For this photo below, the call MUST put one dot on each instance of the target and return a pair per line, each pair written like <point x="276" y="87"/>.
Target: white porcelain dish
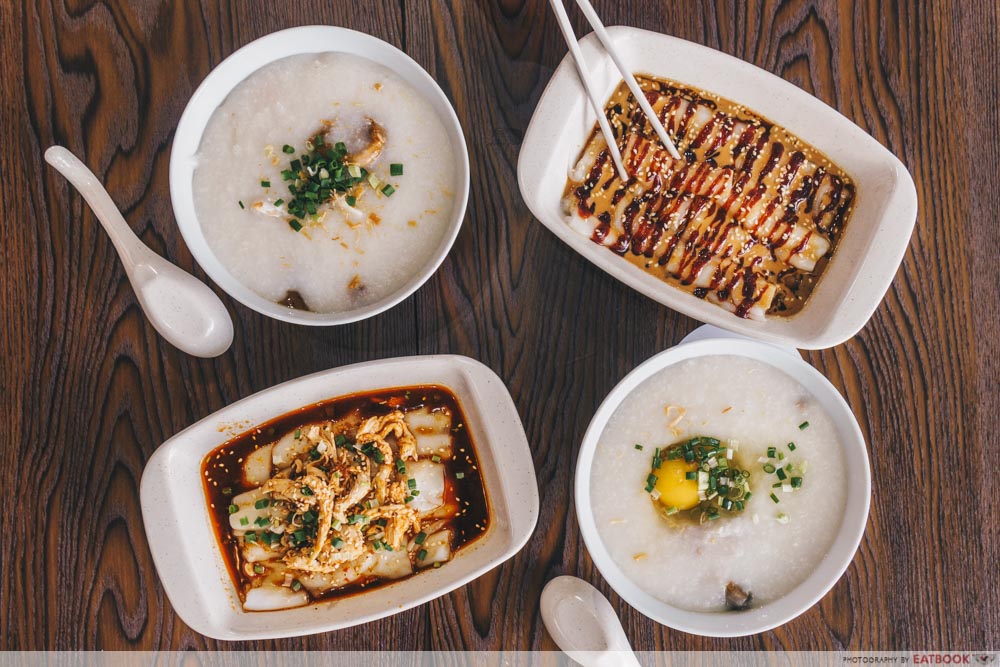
<point x="708" y="341"/>
<point x="247" y="60"/>
<point x="187" y="554"/>
<point x="874" y="240"/>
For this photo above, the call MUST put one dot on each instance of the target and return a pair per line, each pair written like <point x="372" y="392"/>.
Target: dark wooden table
<point x="89" y="390"/>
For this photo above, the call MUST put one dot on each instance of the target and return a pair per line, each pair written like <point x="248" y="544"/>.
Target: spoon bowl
<point x="182" y="309"/>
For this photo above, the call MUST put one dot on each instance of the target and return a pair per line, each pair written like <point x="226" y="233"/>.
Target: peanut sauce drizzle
<point x="679" y="219"/>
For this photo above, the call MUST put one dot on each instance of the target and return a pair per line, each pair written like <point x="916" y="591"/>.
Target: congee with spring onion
<point x="324" y="182"/>
<point x="718" y="483"/>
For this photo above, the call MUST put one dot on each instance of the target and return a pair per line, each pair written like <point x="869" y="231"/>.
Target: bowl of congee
<point x="319" y="175"/>
<point x="723" y="486"/>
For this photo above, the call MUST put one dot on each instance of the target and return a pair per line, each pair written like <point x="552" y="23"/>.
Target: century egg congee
<point x="344" y="495"/>
<point x="718" y="483"/>
<point x="324" y="182"/>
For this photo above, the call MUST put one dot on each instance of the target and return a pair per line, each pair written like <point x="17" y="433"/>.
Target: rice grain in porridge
<point x="334" y="263"/>
<point x="765" y="553"/>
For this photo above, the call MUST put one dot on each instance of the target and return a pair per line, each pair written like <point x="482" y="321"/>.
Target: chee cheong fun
<point x="748" y="218"/>
<point x="345" y="495"/>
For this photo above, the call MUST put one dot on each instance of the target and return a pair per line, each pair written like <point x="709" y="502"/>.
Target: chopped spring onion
<point x="782" y="517"/>
<point x="638" y="446"/>
<point x="227" y="491"/>
<point x="774" y="497"/>
<point x="459" y="475"/>
<point x="436" y="459"/>
<point x="351" y="200"/>
<point x="781" y="473"/>
<point x="768" y="468"/>
<point x="337" y="543"/>
<point x="388" y="190"/>
<point x="241" y="204"/>
<point x="796" y="482"/>
<point x="422" y="554"/>
<point x="244" y="521"/>
<point x="421" y="536"/>
<point x="296" y="585"/>
<point x="233" y="509"/>
<point x="295" y="225"/>
<point x="771" y="451"/>
<point x="258" y="569"/>
<point x="287" y="149"/>
<point x="412" y="483"/>
<point x="262" y="503"/>
<point x="250" y="537"/>
<point x="791" y="446"/>
<point x="265" y="184"/>
<point x="298" y="432"/>
<point x="395" y="169"/>
<point x="306" y="491"/>
<point x="803" y="426"/>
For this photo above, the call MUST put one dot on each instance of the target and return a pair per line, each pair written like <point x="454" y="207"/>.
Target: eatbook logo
<point x="954" y="658"/>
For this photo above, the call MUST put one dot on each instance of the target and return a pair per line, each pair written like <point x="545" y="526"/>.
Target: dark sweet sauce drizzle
<point x="654" y="222"/>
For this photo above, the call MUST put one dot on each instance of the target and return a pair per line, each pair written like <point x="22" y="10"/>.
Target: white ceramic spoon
<point x="181" y="308"/>
<point x="584" y="624"/>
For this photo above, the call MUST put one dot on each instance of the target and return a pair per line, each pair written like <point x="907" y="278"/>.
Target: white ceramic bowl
<point x="184" y="545"/>
<point x="874" y="240"/>
<point x="708" y="341"/>
<point x="244" y="62"/>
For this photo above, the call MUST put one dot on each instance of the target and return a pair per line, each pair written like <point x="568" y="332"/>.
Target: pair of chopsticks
<point x="574" y="48"/>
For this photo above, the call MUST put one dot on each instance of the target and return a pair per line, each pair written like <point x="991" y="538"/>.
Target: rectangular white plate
<point x="186" y="551"/>
<point x="874" y="239"/>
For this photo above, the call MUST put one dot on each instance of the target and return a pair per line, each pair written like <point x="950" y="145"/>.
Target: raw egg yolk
<point x="676" y="490"/>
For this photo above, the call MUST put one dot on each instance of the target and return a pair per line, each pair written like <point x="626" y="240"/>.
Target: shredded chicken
<point x="337" y="501"/>
<point x="371" y="152"/>
<point x="400" y="520"/>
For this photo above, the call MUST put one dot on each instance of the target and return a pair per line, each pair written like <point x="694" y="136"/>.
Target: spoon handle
<point x="128" y="245"/>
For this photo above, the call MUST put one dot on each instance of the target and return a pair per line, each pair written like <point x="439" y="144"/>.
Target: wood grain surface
<point x="89" y="390"/>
